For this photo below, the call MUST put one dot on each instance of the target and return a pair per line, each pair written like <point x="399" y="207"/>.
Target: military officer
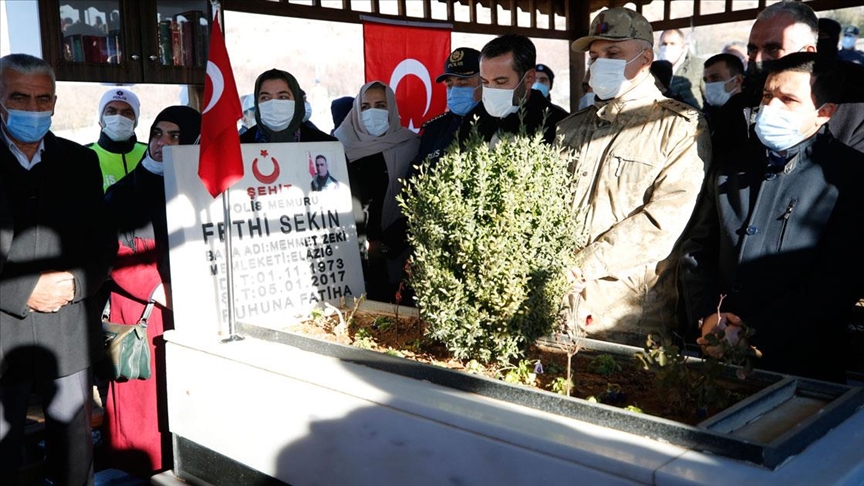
<point x="639" y="159"/>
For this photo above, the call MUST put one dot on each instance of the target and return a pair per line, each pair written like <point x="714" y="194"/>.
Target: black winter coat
<point x="783" y="245"/>
<point x="57" y="224"/>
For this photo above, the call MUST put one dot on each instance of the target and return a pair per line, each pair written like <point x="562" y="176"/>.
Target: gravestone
<point x="293" y="241"/>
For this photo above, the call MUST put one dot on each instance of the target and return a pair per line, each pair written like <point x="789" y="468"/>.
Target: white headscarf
<point x="399" y="146"/>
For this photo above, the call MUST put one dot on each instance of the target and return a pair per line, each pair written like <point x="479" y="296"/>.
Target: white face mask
<point x="308" y="113"/>
<point x="499" y="102"/>
<point x="669" y="53"/>
<point x="716" y="94"/>
<point x="586" y="100"/>
<point x="277" y="114"/>
<point x="607" y="77"/>
<point x="118" y="127"/>
<point x="376" y="121"/>
<point x="779" y="129"/>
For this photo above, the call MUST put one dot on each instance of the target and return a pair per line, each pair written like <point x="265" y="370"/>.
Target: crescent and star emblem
<point x="404" y="68"/>
<point x="269" y="178"/>
<point x="218" y="83"/>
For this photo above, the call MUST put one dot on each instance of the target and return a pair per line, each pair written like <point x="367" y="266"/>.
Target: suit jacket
<point x="685" y="82"/>
<point x="781" y="243"/>
<point x="58" y="224"/>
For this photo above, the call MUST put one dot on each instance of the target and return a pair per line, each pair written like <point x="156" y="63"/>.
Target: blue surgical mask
<point x="460" y="99"/>
<point x="848" y="42"/>
<point x="586" y="100"/>
<point x="541" y="88"/>
<point x="778" y="129"/>
<point x="27" y="126"/>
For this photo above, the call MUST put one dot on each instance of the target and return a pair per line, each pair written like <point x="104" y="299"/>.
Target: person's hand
<point x="576" y="279"/>
<point x="52" y="291"/>
<point x="727" y="322"/>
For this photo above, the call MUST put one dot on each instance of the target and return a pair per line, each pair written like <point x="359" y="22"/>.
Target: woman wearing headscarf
<point x="279" y="112"/>
<point x="136" y="414"/>
<point x="379" y="152"/>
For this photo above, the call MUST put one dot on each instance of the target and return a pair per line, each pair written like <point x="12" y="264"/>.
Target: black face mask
<point x="754" y="82"/>
<point x="759" y="69"/>
<point x="827" y="47"/>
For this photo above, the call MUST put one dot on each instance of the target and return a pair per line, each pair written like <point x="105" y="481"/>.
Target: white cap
<point x="248" y="102"/>
<point x="120" y="94"/>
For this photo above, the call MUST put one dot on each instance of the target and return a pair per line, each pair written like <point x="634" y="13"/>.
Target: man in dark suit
<point x="58" y="255"/>
<point x="508" y="103"/>
<point x="776" y="232"/>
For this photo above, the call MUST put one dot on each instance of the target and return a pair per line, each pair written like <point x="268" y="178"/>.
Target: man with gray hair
<point x="58" y="256"/>
<point x="639" y="160"/>
<point x="790" y="26"/>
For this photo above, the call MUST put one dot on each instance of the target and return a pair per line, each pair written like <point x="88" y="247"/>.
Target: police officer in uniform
<point x="118" y="149"/>
<point x="462" y="77"/>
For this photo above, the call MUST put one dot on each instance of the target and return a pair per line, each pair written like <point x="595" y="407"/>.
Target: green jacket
<point x="116" y="159"/>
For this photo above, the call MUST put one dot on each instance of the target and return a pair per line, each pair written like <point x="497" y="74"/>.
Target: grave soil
<point x="630" y="385"/>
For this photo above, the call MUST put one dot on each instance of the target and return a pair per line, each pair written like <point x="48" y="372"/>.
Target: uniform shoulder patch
<point x="682" y="109"/>
<point x="432" y="120"/>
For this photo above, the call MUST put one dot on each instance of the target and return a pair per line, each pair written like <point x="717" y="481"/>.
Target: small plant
<point x="671" y="371"/>
<point x="561" y="386"/>
<point x="569" y="338"/>
<point x="605" y="365"/>
<point x="475" y="367"/>
<point x="492" y="232"/>
<point x="734" y="349"/>
<point x="382" y="323"/>
<point x="362" y="339"/>
<point x="688" y="388"/>
<point x="523" y="373"/>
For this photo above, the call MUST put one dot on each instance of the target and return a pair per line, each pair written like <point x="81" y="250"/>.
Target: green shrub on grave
<point x="492" y="231"/>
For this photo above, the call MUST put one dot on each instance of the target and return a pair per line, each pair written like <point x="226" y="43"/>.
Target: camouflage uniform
<point x="640" y="160"/>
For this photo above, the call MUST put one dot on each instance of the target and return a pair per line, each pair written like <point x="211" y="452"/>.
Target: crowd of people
<point x="733" y="179"/>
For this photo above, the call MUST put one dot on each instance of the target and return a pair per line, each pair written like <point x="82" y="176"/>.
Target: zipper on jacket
<point x="785" y="217"/>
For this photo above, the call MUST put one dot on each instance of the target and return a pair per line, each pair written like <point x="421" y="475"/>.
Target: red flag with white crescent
<point x="221" y="162"/>
<point x="313" y="171"/>
<point x="408" y="59"/>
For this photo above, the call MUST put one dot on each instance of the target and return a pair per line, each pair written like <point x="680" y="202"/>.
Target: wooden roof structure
<point x="552" y="19"/>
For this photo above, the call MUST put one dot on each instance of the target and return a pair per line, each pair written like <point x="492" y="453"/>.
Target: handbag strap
<point x="145" y="316"/>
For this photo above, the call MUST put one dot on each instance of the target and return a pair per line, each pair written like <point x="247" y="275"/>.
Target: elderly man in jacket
<point x="777" y="230"/>
<point x="57" y="256"/>
<point x="639" y="160"/>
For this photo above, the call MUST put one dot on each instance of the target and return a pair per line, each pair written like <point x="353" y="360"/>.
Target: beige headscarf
<point x="399" y="146"/>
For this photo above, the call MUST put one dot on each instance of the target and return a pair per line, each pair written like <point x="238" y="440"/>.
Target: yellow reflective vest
<point x="114" y="166"/>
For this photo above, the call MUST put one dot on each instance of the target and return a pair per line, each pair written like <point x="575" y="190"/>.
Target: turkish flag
<point x="221" y="163"/>
<point x="408" y="59"/>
